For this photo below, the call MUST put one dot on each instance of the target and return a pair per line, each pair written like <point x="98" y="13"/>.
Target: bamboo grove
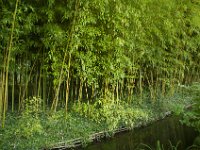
<point x="82" y="50"/>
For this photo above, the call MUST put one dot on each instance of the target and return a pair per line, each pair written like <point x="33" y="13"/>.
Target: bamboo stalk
<point x="26" y="85"/>
<point x="7" y="64"/>
<point x="20" y="91"/>
<point x="80" y="90"/>
<point x="55" y="100"/>
<point x="93" y="91"/>
<point x="150" y="87"/>
<point x="140" y="84"/>
<point x="117" y="90"/>
<point x="76" y="90"/>
<point x="13" y="91"/>
<point x="67" y="84"/>
<point x="86" y="90"/>
<point x="44" y="91"/>
<point x="1" y="94"/>
<point x="39" y="85"/>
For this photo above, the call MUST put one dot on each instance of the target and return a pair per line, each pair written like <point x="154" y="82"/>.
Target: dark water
<point x="165" y="130"/>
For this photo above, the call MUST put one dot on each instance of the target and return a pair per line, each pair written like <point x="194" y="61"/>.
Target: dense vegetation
<point x="192" y="117"/>
<point x="94" y="56"/>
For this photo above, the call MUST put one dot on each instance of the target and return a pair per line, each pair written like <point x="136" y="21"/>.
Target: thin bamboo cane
<point x="67" y="84"/>
<point x="7" y="63"/>
<point x="13" y="91"/>
<point x="55" y="100"/>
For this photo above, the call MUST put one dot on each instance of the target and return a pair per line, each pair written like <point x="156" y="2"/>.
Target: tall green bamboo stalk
<point x="9" y="48"/>
<point x="67" y="84"/>
<point x="69" y="44"/>
<point x="13" y="91"/>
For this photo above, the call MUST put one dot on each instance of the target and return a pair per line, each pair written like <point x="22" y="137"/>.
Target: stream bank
<point x="168" y="131"/>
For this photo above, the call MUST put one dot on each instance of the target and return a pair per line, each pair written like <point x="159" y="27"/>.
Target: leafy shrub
<point x="28" y="126"/>
<point x="113" y="113"/>
<point x="32" y="105"/>
<point x="28" y="122"/>
<point x="192" y="117"/>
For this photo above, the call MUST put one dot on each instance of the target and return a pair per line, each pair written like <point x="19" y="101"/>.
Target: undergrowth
<point x="34" y="129"/>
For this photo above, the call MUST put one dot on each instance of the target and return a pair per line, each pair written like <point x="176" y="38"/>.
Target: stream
<point x="168" y="130"/>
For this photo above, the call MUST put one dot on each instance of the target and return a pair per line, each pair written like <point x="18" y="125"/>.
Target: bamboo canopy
<point x="81" y="50"/>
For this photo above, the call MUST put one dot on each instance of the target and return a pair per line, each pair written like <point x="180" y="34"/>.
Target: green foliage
<point x="120" y="47"/>
<point x="197" y="141"/>
<point x="95" y="50"/>
<point x="113" y="114"/>
<point x="28" y="122"/>
<point x="159" y="146"/>
<point x="28" y="126"/>
<point x="33" y="129"/>
<point x="32" y="106"/>
<point x="29" y="132"/>
<point x="24" y="127"/>
<point x="192" y="116"/>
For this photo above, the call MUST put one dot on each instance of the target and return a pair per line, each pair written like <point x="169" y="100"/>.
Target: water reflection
<point x="165" y="130"/>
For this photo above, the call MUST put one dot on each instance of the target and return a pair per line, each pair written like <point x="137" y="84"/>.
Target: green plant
<point x="159" y="146"/>
<point x="114" y="114"/>
<point x="29" y="122"/>
<point x="122" y="48"/>
<point x="192" y="116"/>
<point x="99" y="53"/>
